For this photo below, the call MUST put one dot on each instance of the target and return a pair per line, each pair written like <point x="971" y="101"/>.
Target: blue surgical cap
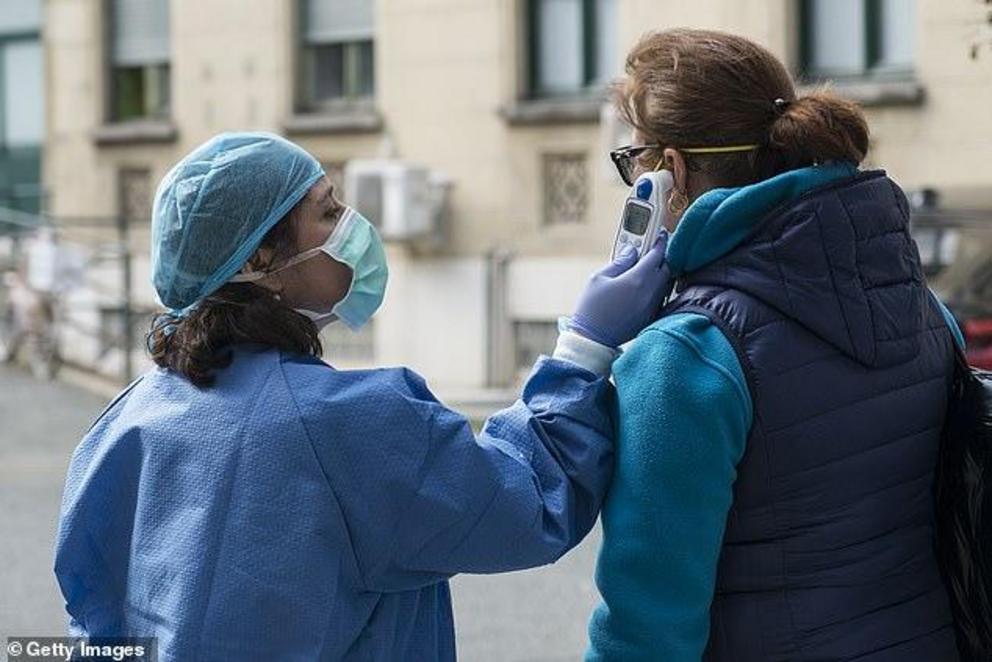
<point x="213" y="209"/>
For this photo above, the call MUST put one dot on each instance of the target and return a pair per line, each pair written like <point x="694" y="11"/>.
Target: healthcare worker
<point x="246" y="501"/>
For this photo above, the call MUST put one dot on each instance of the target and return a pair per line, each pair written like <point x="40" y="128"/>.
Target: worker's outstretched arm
<point x="424" y="497"/>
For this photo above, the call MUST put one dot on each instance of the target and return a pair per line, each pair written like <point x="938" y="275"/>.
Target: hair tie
<point x="781" y="105"/>
<point x="164" y="323"/>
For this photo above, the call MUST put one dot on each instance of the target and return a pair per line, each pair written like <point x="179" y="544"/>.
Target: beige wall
<point x="445" y="68"/>
<point x="441" y="82"/>
<point x="947" y="141"/>
<point x="944" y="142"/>
<point x="445" y="71"/>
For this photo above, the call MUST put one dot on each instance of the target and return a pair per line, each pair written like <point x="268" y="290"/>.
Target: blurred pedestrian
<point x="30" y="330"/>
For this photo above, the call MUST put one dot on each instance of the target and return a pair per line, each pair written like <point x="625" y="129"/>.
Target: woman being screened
<point x="779" y="424"/>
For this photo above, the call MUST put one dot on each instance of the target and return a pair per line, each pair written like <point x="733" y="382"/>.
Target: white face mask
<point x="355" y="243"/>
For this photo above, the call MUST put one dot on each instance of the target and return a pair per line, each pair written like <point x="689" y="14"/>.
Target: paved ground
<point x="533" y="615"/>
<point x="40" y="424"/>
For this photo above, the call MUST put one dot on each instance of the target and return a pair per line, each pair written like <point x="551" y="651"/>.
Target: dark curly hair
<point x="197" y="345"/>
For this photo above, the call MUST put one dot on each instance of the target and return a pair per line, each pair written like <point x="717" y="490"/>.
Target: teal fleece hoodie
<point x="684" y="414"/>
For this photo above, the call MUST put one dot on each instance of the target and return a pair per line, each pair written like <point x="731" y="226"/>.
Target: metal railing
<point x="96" y="254"/>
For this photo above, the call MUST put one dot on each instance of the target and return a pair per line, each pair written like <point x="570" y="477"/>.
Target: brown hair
<point x="698" y="88"/>
<point x="201" y="342"/>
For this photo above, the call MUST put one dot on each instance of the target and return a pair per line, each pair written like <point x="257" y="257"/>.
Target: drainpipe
<point x="499" y="341"/>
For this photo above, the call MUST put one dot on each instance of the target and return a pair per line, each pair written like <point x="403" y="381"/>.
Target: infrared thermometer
<point x="644" y="212"/>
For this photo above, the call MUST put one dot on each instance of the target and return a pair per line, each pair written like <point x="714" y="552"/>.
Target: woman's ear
<point x="675" y="162"/>
<point x="262" y="260"/>
<point x="678" y="200"/>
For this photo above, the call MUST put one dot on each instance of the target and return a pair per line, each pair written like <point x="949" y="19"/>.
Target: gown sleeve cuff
<point x="589" y="354"/>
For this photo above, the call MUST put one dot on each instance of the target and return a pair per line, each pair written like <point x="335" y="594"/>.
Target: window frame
<point x="872" y="68"/>
<point x="304" y="97"/>
<point x="163" y="70"/>
<point x="111" y="112"/>
<point x="591" y="80"/>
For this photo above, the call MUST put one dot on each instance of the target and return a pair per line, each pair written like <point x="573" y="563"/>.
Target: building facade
<point x="501" y="99"/>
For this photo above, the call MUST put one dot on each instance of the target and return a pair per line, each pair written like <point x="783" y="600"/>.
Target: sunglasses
<point x="625" y="159"/>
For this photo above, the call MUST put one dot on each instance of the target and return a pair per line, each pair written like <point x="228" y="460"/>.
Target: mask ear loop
<point x="335" y="238"/>
<point x="253" y="276"/>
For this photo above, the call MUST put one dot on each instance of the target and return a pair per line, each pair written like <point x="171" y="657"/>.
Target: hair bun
<point x="819" y="127"/>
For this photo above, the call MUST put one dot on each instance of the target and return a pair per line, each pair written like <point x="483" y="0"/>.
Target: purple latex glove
<point x="624" y="296"/>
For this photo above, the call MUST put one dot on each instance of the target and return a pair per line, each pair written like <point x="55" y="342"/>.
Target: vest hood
<point x="827" y="246"/>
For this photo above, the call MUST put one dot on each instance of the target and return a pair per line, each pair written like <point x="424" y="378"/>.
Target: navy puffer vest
<point x="828" y="548"/>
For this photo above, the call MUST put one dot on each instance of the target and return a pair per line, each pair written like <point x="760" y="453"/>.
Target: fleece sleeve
<point x="952" y="323"/>
<point x="684" y="413"/>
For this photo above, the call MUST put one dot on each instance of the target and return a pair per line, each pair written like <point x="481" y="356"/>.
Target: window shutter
<point x="898" y="33"/>
<point x="140" y="32"/>
<point x="559" y="45"/>
<point x="20" y="16"/>
<point x="607" y="41"/>
<point x="838" y="33"/>
<point x="332" y="21"/>
<point x="22" y="95"/>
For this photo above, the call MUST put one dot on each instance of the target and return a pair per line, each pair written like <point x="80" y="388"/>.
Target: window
<point x="336" y="53"/>
<point x="134" y="193"/>
<point x="858" y="38"/>
<point x="565" y="188"/>
<point x="19" y="16"/>
<point x="22" y="105"/>
<point x="573" y="46"/>
<point x="139" y="59"/>
<point x="532" y="339"/>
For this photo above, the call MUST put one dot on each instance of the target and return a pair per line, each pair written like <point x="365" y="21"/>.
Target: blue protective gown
<point x="297" y="512"/>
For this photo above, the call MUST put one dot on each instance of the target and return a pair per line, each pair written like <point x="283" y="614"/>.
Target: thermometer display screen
<point x="636" y="218"/>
